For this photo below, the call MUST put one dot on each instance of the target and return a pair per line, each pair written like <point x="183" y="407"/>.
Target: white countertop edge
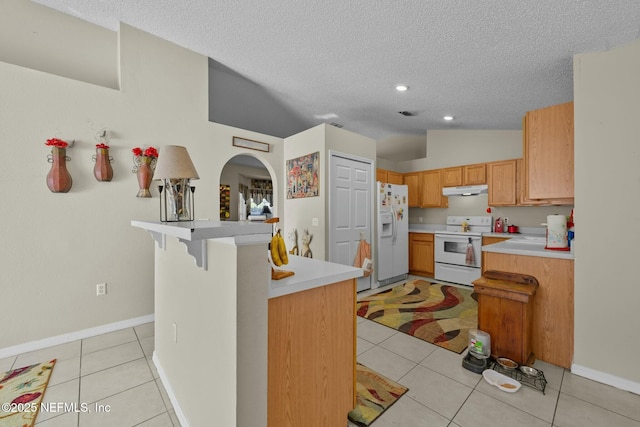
<point x="309" y="274"/>
<point x="202" y="229"/>
<point x="505" y="248"/>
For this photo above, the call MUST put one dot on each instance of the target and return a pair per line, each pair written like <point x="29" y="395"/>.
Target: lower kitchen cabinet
<point x="421" y="255"/>
<point x="552" y="307"/>
<point x="311" y="356"/>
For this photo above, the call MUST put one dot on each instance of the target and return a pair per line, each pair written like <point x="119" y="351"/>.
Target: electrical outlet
<point x="419" y="219"/>
<point x="314" y="222"/>
<point x="101" y="289"/>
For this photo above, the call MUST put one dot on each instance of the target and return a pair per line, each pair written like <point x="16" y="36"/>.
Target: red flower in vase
<point x="102" y="145"/>
<point x="146" y="152"/>
<point x="55" y="142"/>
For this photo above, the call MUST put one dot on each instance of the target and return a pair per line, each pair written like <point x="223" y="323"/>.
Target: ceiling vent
<point x="338" y="125"/>
<point x="407" y="113"/>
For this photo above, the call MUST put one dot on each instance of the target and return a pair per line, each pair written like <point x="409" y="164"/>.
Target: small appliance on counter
<point x="478" y="351"/>
<point x="498" y="227"/>
<point x="557" y="233"/>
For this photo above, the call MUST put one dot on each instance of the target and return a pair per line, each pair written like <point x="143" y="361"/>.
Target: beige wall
<point x="462" y="147"/>
<point x="607" y="186"/>
<point x="57" y="247"/>
<point x="300" y="212"/>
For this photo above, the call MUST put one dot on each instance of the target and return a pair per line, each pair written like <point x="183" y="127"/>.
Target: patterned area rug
<point x="375" y="393"/>
<point x="437" y="313"/>
<point x="21" y="392"/>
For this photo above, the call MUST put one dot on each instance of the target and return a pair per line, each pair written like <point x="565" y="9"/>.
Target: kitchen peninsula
<point x="230" y="341"/>
<point x="552" y="320"/>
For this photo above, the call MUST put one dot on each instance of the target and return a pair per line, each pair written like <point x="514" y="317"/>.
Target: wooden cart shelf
<point x="505" y="313"/>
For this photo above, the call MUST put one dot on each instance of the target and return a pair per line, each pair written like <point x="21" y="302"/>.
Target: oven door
<point x="452" y="249"/>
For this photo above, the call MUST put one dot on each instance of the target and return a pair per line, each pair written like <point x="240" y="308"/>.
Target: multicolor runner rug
<point x="21" y="392"/>
<point x="437" y="313"/>
<point x="375" y="393"/>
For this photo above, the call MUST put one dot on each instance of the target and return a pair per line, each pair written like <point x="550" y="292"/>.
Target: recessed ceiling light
<point x="448" y="118"/>
<point x="402" y="88"/>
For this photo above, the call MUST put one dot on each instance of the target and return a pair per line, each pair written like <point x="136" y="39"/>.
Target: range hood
<point x="465" y="190"/>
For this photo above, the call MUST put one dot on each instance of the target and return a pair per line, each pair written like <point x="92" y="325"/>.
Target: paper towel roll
<point x="557" y="231"/>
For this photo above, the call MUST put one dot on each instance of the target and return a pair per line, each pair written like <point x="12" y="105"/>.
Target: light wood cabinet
<point x="552" y="311"/>
<point x="389" y="177"/>
<point x="312" y="336"/>
<point x="421" y="254"/>
<point x="464" y="175"/>
<point x="502" y="183"/>
<point x="412" y="181"/>
<point x="548" y="153"/>
<point x="452" y="177"/>
<point x="431" y="190"/>
<point x="474" y="174"/>
<point x="505" y="312"/>
<point x="490" y="240"/>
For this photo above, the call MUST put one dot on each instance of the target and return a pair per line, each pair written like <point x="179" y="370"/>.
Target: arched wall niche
<point x="251" y="175"/>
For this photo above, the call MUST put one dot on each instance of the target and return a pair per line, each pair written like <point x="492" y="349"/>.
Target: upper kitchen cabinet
<point x="452" y="177"/>
<point x="412" y="181"/>
<point x="474" y="174"/>
<point x="502" y="183"/>
<point x="464" y="175"/>
<point x="548" y="154"/>
<point x="431" y="190"/>
<point x="389" y="177"/>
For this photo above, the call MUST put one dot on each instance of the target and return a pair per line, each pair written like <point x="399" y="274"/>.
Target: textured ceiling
<point x="485" y="62"/>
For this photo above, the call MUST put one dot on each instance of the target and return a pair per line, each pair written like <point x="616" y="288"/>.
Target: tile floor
<point x="116" y="369"/>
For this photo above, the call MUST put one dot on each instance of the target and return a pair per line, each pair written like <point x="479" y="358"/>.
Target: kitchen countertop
<point x="528" y="246"/>
<point x="310" y="273"/>
<point x="426" y="228"/>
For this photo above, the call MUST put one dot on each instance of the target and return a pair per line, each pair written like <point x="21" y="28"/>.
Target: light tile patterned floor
<point x="116" y="369"/>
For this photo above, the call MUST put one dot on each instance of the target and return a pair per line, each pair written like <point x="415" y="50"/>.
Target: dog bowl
<point x="506" y="363"/>
<point x="529" y="371"/>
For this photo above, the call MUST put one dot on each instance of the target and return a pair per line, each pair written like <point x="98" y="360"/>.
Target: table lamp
<point x="175" y="169"/>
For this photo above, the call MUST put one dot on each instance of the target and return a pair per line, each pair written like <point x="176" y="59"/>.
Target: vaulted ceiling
<point x="485" y="62"/>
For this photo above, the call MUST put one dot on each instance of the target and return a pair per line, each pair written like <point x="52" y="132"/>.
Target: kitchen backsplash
<point x="477" y="205"/>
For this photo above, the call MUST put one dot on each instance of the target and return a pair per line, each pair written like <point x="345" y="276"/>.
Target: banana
<point x="282" y="249"/>
<point x="275" y="251"/>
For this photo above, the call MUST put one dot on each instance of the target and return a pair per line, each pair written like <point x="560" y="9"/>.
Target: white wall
<point x="607" y="190"/>
<point x="463" y="147"/>
<point x="57" y="247"/>
<point x="300" y="212"/>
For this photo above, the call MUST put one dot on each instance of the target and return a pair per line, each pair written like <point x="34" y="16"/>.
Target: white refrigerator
<point x="393" y="233"/>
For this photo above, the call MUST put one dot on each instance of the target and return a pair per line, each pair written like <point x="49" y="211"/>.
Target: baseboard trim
<point x="172" y="397"/>
<point x="604" y="378"/>
<point x="73" y="336"/>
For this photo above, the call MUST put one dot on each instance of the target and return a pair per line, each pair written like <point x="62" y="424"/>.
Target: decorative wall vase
<point x="102" y="169"/>
<point x="144" y="171"/>
<point x="58" y="179"/>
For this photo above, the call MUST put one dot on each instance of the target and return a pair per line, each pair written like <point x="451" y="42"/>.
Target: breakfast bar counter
<point x="263" y="343"/>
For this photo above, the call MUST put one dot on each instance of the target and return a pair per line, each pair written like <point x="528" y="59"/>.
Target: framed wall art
<point x="302" y="176"/>
<point x="251" y="144"/>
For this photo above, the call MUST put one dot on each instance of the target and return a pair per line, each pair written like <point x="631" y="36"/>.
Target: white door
<point x="350" y="206"/>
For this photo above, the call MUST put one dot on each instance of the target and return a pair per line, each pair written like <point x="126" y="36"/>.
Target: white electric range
<point x="458" y="253"/>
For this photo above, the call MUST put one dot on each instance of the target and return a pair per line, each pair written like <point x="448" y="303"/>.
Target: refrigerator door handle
<point x="394" y="225"/>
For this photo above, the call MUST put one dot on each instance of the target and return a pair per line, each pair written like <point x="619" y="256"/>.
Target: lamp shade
<point x="174" y="163"/>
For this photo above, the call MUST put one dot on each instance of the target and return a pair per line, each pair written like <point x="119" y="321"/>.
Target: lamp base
<point x="177" y="200"/>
